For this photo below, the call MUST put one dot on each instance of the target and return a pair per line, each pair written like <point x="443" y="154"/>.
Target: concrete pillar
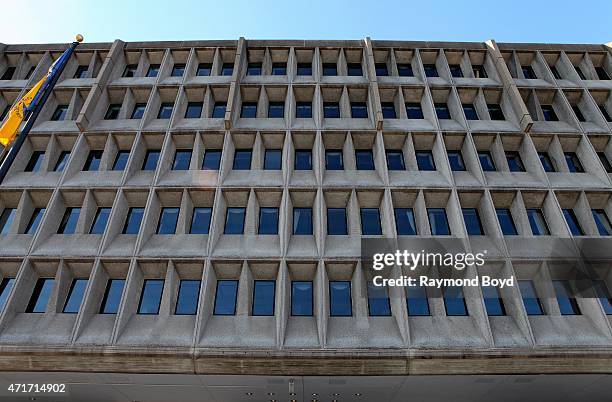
<point x="371" y="73"/>
<point x="233" y="91"/>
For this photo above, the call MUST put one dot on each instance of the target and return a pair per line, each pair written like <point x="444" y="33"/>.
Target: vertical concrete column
<point x="233" y="90"/>
<point x="525" y="120"/>
<point x="373" y="83"/>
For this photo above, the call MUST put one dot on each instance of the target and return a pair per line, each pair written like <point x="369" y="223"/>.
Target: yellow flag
<point x="9" y="129"/>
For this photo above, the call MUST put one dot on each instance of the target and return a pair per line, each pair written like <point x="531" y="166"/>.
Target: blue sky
<point x="546" y="21"/>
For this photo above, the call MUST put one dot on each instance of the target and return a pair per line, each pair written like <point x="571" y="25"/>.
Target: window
<point x="442" y="111"/>
<point x="138" y="111"/>
<point x="580" y="73"/>
<point x="405" y="70"/>
<point x="470" y="111"/>
<point x="531" y="301"/>
<point x="455" y="158"/>
<point x="81" y="72"/>
<point x="601" y="291"/>
<point x="495" y="111"/>
<point x="69" y="221"/>
<point x="572" y="222"/>
<point x="331" y="110"/>
<point x="547" y="163"/>
<point x="35" y="162"/>
<point x="479" y="71"/>
<point x="29" y="73"/>
<point x="455" y="70"/>
<point x="150" y="298"/>
<point x="153" y="70"/>
<point x="167" y="221"/>
<point x="340" y="299"/>
<point x="395" y="159"/>
<point x="178" y="70"/>
<point x="301" y="298"/>
<point x="75" y="296"/>
<point x="303" y="159"/>
<point x="302" y="221"/>
<point x="60" y="113"/>
<point x="188" y="296"/>
<point x="112" y="113"/>
<point x="133" y="220"/>
<point x="204" y="69"/>
<point x="430" y="70"/>
<point x="130" y="70"/>
<point x="601" y="73"/>
<point x="165" y="110"/>
<point x="242" y="159"/>
<point x="268" y="221"/>
<point x="330" y="69"/>
<point x="486" y="161"/>
<point x="121" y="160"/>
<point x="354" y="69"/>
<point x="573" y="163"/>
<point x="151" y="158"/>
<point x="248" y="110"/>
<point x="182" y="159"/>
<point x="605" y="162"/>
<point x="438" y="221"/>
<point x="304" y="69"/>
<point x="381" y="69"/>
<point x="227" y="69"/>
<point x="504" y="216"/>
<point x="549" y="113"/>
<point x="273" y="159"/>
<point x="454" y="301"/>
<point x="263" y="297"/>
<point x="565" y="297"/>
<point x="279" y="68"/>
<point x="538" y="224"/>
<point x="8" y="107"/>
<point x="225" y="297"/>
<point x="333" y="159"/>
<point x="378" y="301"/>
<point x="35" y="219"/>
<point x="212" y="159"/>
<point x="194" y="110"/>
<point x="234" y="220"/>
<point x="40" y="296"/>
<point x="493" y="301"/>
<point x="93" y="160"/>
<point x="276" y="110"/>
<point x="364" y="159"/>
<point x="556" y="72"/>
<point x="578" y="113"/>
<point x="5" y="290"/>
<point x="515" y="163"/>
<point x="602" y="222"/>
<point x="370" y="222"/>
<point x="414" y="110"/>
<point x="473" y="225"/>
<point x="336" y="222"/>
<point x="219" y="110"/>
<point x="404" y="221"/>
<point x="388" y="110"/>
<point x="6" y="220"/>
<point x="425" y="161"/>
<point x="416" y="301"/>
<point x="8" y="73"/>
<point x="200" y="220"/>
<point x="528" y="73"/>
<point x="303" y="110"/>
<point x="605" y="113"/>
<point x="254" y="69"/>
<point x="359" y="110"/>
<point x="99" y="223"/>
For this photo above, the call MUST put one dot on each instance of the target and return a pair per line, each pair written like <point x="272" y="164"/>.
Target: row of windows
<point x="8" y="74"/>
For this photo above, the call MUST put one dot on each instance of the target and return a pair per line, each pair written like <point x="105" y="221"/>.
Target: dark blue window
<point x="565" y="298"/>
<point x="60" y="113"/>
<point x="188" y="296"/>
<point x="354" y="69"/>
<point x="5" y="290"/>
<point x="194" y="110"/>
<point x="438" y="222"/>
<point x="303" y="110"/>
<point x="470" y="111"/>
<point x="130" y="70"/>
<point x="75" y="296"/>
<point x="121" y="160"/>
<point x="204" y="69"/>
<point x="370" y="222"/>
<point x="333" y="159"/>
<point x="381" y="69"/>
<point x="133" y="220"/>
<point x="388" y="110"/>
<point x="153" y="70"/>
<point x="425" y="160"/>
<point x="573" y="163"/>
<point x="227" y="69"/>
<point x="248" y="110"/>
<point x="301" y="298"/>
<point x="605" y="162"/>
<point x="234" y="220"/>
<point x="364" y="159"/>
<point x="330" y="69"/>
<point x="200" y="221"/>
<point x="6" y="220"/>
<point x="219" y="110"/>
<point x="416" y="300"/>
<point x="268" y="221"/>
<point x="279" y="68"/>
<point x="414" y="110"/>
<point x="472" y="221"/>
<point x="359" y="110"/>
<point x="242" y="159"/>
<point x="601" y="290"/>
<point x="254" y="69"/>
<point x="212" y="159"/>
<point x="99" y="223"/>
<point x="35" y="219"/>
<point x="263" y="297"/>
<point x="442" y="111"/>
<point x="486" y="161"/>
<point x="602" y="222"/>
<point x="455" y="158"/>
<point x="572" y="222"/>
<point x="602" y="74"/>
<point x="35" y="162"/>
<point x="537" y="222"/>
<point x="331" y="110"/>
<point x="506" y="222"/>
<point x="93" y="161"/>
<point x="150" y="298"/>
<point x="493" y="301"/>
<point x="531" y="301"/>
<point x="69" y="221"/>
<point x="340" y="299"/>
<point x="336" y="221"/>
<point x="395" y="159"/>
<point x="549" y="113"/>
<point x="378" y="300"/>
<point x="302" y="221"/>
<point x="273" y="159"/>
<point x="304" y="69"/>
<point x="405" y="70"/>
<point x="182" y="159"/>
<point x="515" y="163"/>
<point x="303" y="159"/>
<point x="167" y="221"/>
<point x="495" y="111"/>
<point x="138" y="111"/>
<point x="276" y="110"/>
<point x="455" y="70"/>
<point x="112" y="296"/>
<point x="150" y="161"/>
<point x="62" y="161"/>
<point x="430" y="70"/>
<point x="165" y="110"/>
<point x="404" y="221"/>
<point x="454" y="301"/>
<point x="225" y="297"/>
<point x="528" y="73"/>
<point x="547" y="163"/>
<point x="8" y="73"/>
<point x="40" y="296"/>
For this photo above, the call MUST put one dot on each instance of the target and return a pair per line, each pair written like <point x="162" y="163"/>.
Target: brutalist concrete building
<point x="185" y="221"/>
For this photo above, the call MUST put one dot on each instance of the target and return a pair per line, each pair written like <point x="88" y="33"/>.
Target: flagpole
<point x="18" y="143"/>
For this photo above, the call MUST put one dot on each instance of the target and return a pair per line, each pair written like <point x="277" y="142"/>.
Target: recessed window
<point x="602" y="292"/>
<point x="234" y="220"/>
<point x="333" y="159"/>
<point x="138" y="111"/>
<point x="35" y="162"/>
<point x="438" y="221"/>
<point x="528" y="73"/>
<point x="60" y="113"/>
<point x="479" y="71"/>
<point x="603" y="111"/>
<point x="303" y="159"/>
<point x="572" y="222"/>
<point x="470" y="111"/>
<point x="151" y="158"/>
<point x="301" y="298"/>
<point x="92" y="163"/>
<point x="340" y="299"/>
<point x="248" y="110"/>
<point x="395" y="159"/>
<point x="165" y="110"/>
<point x="225" y="297"/>
<point x="455" y="158"/>
<point x="304" y="69"/>
<point x="416" y="301"/>
<point x="605" y="162"/>
<point x="473" y="225"/>
<point x="254" y="69"/>
<point x="150" y="297"/>
<point x="573" y="162"/>
<point x="538" y="224"/>
<point x="455" y="70"/>
<point x="388" y="110"/>
<point x="302" y="221"/>
<point x="547" y="163"/>
<point x="279" y="68"/>
<point x="486" y="161"/>
<point x="168" y="218"/>
<point x="194" y="110"/>
<point x="75" y="296"/>
<point x="425" y="160"/>
<point x="182" y="159"/>
<point x="100" y="220"/>
<point x="578" y="113"/>
<point x="227" y="69"/>
<point x="336" y="222"/>
<point x="263" y="297"/>
<point x="153" y="70"/>
<point x="404" y="222"/>
<point x="268" y="221"/>
<point x="273" y="159"/>
<point x="35" y="220"/>
<point x="188" y="296"/>
<point x="506" y="222"/>
<point x="381" y="69"/>
<point x="549" y="113"/>
<point x="442" y="111"/>
<point x="200" y="220"/>
<point x="40" y="296"/>
<point x="133" y="221"/>
<point x="378" y="301"/>
<point x="303" y="110"/>
<point x="121" y="160"/>
<point x="515" y="163"/>
<point x="212" y="159"/>
<point x="130" y="70"/>
<point x="112" y="113"/>
<point x="364" y="159"/>
<point x="555" y="72"/>
<point x="354" y="69"/>
<point x="531" y="301"/>
<point x="8" y="73"/>
<point x="178" y="70"/>
<point x="430" y="70"/>
<point x="5" y="112"/>
<point x="69" y="221"/>
<point x="331" y="110"/>
<point x="276" y="110"/>
<point x="493" y="301"/>
<point x="454" y="301"/>
<point x="495" y="111"/>
<point x="81" y="72"/>
<point x="414" y="110"/>
<point x="602" y="222"/>
<point x="242" y="159"/>
<point x="330" y="69"/>
<point x="204" y="69"/>
<point x="370" y="222"/>
<point x="6" y="220"/>
<point x="602" y="74"/>
<point x="565" y="298"/>
<point x="219" y="110"/>
<point x="405" y="70"/>
<point x="5" y="290"/>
